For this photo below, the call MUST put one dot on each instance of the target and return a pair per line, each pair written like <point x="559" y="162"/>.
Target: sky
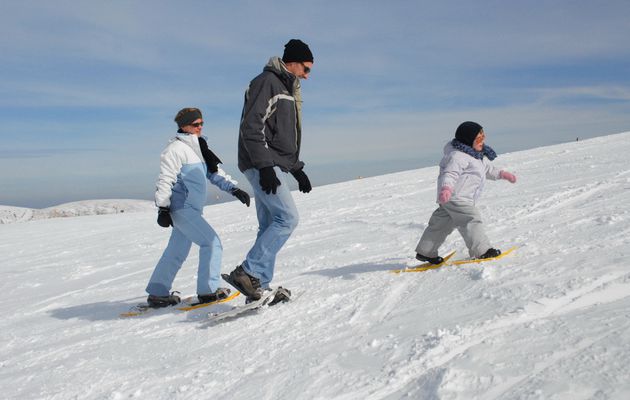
<point x="88" y="90"/>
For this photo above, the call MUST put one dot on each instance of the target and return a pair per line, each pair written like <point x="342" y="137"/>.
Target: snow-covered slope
<point x="551" y="321"/>
<point x="9" y="214"/>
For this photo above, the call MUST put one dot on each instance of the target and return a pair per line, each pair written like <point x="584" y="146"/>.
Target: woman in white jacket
<point x="463" y="173"/>
<point x="186" y="164"/>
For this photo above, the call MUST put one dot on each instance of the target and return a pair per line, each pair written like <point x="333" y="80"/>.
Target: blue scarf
<point x="464" y="148"/>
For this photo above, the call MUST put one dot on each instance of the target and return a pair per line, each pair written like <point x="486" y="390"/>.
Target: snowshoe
<point x="219" y="294"/>
<point x="264" y="293"/>
<point x="163" y="301"/>
<point x="432" y="260"/>
<point x="282" y="296"/>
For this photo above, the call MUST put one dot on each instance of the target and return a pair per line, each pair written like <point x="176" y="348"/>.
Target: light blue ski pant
<point x="189" y="227"/>
<point x="277" y="219"/>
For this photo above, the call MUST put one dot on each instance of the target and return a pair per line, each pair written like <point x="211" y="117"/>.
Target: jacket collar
<point x="191" y="140"/>
<point x="277" y="66"/>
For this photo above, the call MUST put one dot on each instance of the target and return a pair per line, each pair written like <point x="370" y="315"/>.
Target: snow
<point x="9" y="214"/>
<point x="549" y="321"/>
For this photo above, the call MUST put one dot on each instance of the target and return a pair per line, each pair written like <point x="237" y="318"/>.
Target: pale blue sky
<point x="88" y="89"/>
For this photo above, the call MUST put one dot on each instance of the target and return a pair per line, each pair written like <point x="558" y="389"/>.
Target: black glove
<point x="241" y="195"/>
<point x="164" y="217"/>
<point x="303" y="182"/>
<point x="269" y="182"/>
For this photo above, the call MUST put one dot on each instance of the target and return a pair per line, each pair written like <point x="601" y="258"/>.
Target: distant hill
<point x="9" y="214"/>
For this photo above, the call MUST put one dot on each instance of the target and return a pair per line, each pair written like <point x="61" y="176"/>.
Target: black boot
<point x="246" y="284"/>
<point x="491" y="253"/>
<point x="163" y="301"/>
<point x="432" y="260"/>
<point x="219" y="294"/>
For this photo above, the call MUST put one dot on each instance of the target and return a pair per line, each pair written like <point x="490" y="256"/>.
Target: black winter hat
<point x="296" y="51"/>
<point x="467" y="132"/>
<point x="187" y="116"/>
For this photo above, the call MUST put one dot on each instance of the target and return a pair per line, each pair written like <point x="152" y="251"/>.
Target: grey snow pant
<point x="463" y="216"/>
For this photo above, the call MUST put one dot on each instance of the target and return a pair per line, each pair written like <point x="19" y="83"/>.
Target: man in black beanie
<point x="297" y="51"/>
<point x="268" y="151"/>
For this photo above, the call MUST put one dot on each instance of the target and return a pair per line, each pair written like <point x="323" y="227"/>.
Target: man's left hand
<point x="303" y="182"/>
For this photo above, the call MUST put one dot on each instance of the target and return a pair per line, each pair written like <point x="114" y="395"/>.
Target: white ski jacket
<point x="183" y="175"/>
<point x="465" y="174"/>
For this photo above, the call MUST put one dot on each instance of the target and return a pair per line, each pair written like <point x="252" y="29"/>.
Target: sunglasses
<point x="307" y="70"/>
<point x="197" y="124"/>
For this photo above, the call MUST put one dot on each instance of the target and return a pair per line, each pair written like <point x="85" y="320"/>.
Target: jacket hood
<point x="277" y="66"/>
<point x="448" y="148"/>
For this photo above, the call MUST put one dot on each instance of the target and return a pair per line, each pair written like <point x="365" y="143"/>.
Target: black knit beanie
<point x="467" y="132"/>
<point x="296" y="51"/>
<point x="187" y="116"/>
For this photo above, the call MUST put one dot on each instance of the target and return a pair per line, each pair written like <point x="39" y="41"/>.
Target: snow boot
<point x="432" y="260"/>
<point x="262" y="291"/>
<point x="245" y="283"/>
<point x="490" y="253"/>
<point x="163" y="301"/>
<point x="282" y="296"/>
<point x="219" y="294"/>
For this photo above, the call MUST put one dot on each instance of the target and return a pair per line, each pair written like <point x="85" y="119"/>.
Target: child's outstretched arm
<point x="508" y="176"/>
<point x="494" y="173"/>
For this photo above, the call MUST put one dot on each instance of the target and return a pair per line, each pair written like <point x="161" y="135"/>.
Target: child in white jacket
<point x="463" y="173"/>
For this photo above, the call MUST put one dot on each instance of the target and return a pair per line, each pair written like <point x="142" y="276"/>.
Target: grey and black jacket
<point x="270" y="132"/>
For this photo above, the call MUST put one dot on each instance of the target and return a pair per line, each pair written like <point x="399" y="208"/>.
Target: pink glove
<point x="507" y="176"/>
<point x="445" y="195"/>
